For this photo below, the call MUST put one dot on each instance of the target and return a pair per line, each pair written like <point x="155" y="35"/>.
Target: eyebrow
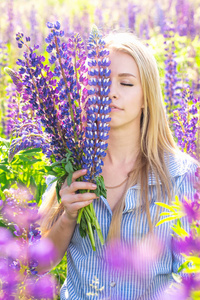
<point x="126" y="75"/>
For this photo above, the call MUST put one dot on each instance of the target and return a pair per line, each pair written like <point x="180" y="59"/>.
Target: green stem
<point x="90" y="233"/>
<point x="80" y="215"/>
<point x="90" y="213"/>
<point x="99" y="232"/>
<point x="96" y="224"/>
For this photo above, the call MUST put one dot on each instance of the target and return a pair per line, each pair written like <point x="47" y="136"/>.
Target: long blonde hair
<point x="156" y="138"/>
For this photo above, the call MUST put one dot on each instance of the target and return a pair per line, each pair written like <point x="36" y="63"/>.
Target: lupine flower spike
<point x="96" y="132"/>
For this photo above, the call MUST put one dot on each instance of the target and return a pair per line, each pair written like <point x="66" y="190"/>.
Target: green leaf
<point x="28" y="160"/>
<point x="97" y="191"/>
<point x="166" y="220"/>
<point x="55" y="164"/>
<point x="183" y="266"/>
<point x="58" y="170"/>
<point x="32" y="181"/>
<point x="69" y="167"/>
<point x="5" y="142"/>
<point x="3" y="178"/>
<point x="52" y="173"/>
<point x="165" y="206"/>
<point x="53" y="180"/>
<point x="2" y="222"/>
<point x="57" y="192"/>
<point x="47" y="168"/>
<point x="31" y="151"/>
<point x="69" y="179"/>
<point x="166" y="214"/>
<point x="194" y="259"/>
<point x="2" y="196"/>
<point x="4" y="168"/>
<point x="180" y="231"/>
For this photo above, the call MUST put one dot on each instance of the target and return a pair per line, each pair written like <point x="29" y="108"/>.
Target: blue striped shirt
<point x="88" y="276"/>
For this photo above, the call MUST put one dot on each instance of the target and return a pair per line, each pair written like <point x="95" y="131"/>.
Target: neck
<point x="123" y="147"/>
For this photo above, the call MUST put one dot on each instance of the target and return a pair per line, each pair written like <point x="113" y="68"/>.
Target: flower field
<point x="43" y="49"/>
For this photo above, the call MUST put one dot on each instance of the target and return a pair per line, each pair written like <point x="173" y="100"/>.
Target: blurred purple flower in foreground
<point x="137" y="259"/>
<point x="181" y="291"/>
<point x="23" y="251"/>
<point x="185" y="122"/>
<point x="43" y="288"/>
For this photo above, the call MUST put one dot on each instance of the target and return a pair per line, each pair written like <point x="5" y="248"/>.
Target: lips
<point x="114" y="107"/>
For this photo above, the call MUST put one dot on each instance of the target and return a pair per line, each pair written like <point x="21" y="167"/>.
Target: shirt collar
<point x="178" y="164"/>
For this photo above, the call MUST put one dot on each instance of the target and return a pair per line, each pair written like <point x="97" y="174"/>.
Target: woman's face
<point x="125" y="91"/>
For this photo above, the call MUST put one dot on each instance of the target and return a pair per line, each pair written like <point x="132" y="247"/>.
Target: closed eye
<point x="126" y="84"/>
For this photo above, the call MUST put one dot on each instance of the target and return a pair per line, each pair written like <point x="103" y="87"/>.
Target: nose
<point x="113" y="94"/>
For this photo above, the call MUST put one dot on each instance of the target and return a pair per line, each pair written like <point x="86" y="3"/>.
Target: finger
<point x="78" y="205"/>
<point x="70" y="199"/>
<point x="78" y="174"/>
<point x="81" y="185"/>
<point x="75" y="176"/>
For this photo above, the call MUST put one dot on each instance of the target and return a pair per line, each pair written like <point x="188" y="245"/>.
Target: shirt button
<point x="112" y="284"/>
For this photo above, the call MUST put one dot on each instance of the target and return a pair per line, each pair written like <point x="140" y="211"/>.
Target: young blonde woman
<point x="142" y="166"/>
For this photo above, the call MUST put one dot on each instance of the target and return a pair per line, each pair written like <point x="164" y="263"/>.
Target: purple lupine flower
<point x="54" y="96"/>
<point x="99" y="16"/>
<point x="159" y="17"/>
<point x="191" y="283"/>
<point x="185" y="19"/>
<point x="18" y="267"/>
<point x="81" y="24"/>
<point x="132" y="11"/>
<point x="39" y="91"/>
<point x="5" y="236"/>
<point x="3" y="57"/>
<point x="11" y="111"/>
<point x="34" y="33"/>
<point x="185" y="122"/>
<point x="16" y="79"/>
<point x="192" y="209"/>
<point x="172" y="89"/>
<point x="28" y="135"/>
<point x="189" y="245"/>
<point x="15" y="110"/>
<point x="42" y="288"/>
<point x="9" y="279"/>
<point x="183" y="290"/>
<point x="18" y="211"/>
<point x="3" y="64"/>
<point x="10" y="27"/>
<point x="97" y="108"/>
<point x="144" y="30"/>
<point x="137" y="258"/>
<point x="41" y="254"/>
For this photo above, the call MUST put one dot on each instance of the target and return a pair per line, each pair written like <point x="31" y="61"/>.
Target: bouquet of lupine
<point x="67" y="110"/>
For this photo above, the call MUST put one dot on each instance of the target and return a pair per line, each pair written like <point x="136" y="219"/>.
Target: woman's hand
<point x="73" y="201"/>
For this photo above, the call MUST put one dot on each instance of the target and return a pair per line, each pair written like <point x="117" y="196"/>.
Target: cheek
<point x="142" y="102"/>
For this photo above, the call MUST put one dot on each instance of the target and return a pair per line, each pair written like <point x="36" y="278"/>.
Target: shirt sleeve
<point x="49" y="179"/>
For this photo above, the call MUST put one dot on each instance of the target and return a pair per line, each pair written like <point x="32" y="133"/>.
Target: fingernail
<point x="84" y="170"/>
<point x="94" y="185"/>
